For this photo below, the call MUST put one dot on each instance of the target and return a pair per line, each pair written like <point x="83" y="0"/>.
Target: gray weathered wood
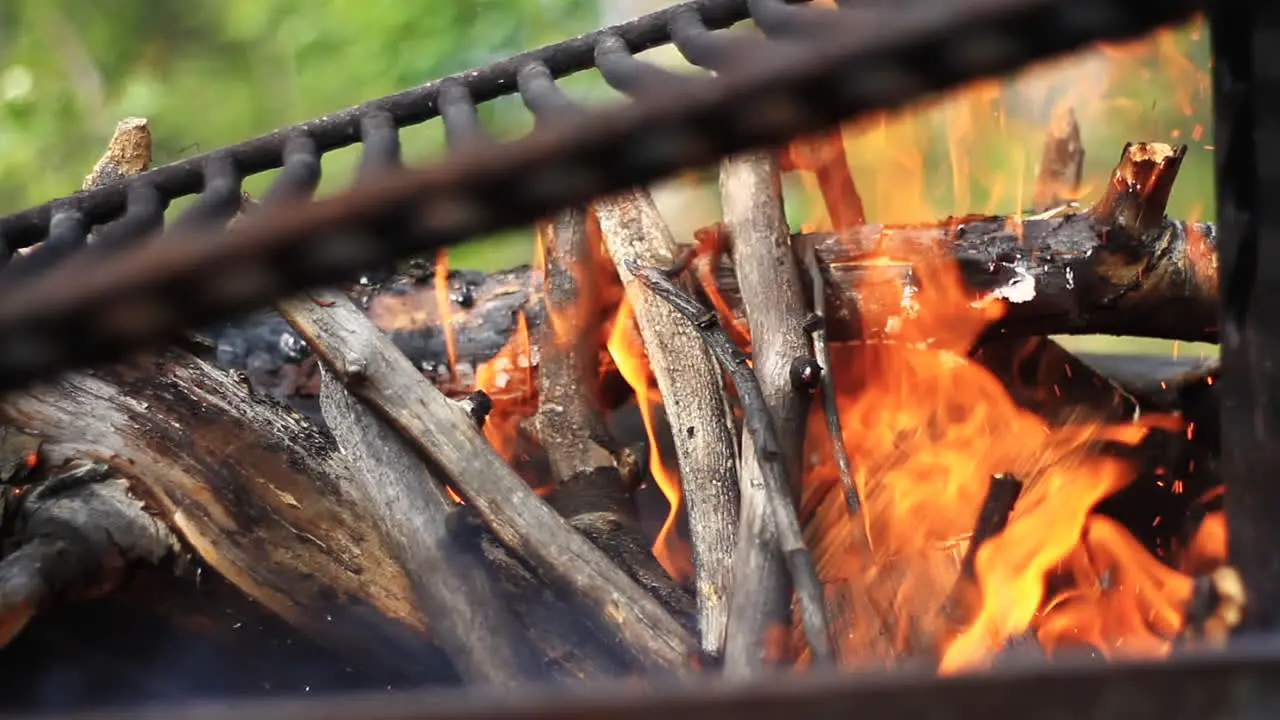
<point x="374" y="370"/>
<point x="692" y="389"/>
<point x="773" y="297"/>
<point x="453" y="586"/>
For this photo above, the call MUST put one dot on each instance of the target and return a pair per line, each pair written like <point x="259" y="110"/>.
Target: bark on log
<point x="371" y="367"/>
<point x="1064" y="275"/>
<point x="411" y="507"/>
<point x="255" y="490"/>
<point x="693" y="394"/>
<point x="751" y="194"/>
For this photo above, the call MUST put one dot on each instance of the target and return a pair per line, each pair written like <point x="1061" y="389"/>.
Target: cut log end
<point x="128" y="153"/>
<point x="1138" y="191"/>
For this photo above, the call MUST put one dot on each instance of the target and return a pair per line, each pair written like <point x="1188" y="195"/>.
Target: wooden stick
<point x="822" y="352"/>
<point x="410" y="507"/>
<point x="592" y="492"/>
<point x="768" y="449"/>
<point x="374" y="370"/>
<point x="751" y="195"/>
<point x="692" y="389"/>
<point x="568" y="422"/>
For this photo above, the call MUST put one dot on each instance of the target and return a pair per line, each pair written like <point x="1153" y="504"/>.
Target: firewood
<point x="1119" y="268"/>
<point x="692" y="389"/>
<point x="411" y="508"/>
<point x="759" y="426"/>
<point x="1070" y="273"/>
<point x="254" y="490"/>
<point x="71" y="536"/>
<point x="594" y="477"/>
<point x="264" y="499"/>
<point x="773" y="296"/>
<point x="371" y="367"/>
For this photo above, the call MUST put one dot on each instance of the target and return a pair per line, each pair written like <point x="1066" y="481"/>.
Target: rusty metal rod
<point x="1241" y="685"/>
<point x="78" y="314"/>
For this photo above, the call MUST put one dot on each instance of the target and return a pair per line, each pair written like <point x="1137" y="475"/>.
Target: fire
<point x="444" y="307"/>
<point x="928" y="427"/>
<point x="627" y="350"/>
<point x="508" y="380"/>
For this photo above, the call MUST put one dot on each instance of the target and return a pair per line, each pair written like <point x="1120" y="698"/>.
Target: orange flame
<point x="627" y="349"/>
<point x="445" y="308"/>
<point x="508" y="379"/>
<point x="927" y="426"/>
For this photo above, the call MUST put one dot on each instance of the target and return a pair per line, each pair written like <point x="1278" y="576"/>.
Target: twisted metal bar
<point x="342" y="128"/>
<point x="79" y="314"/>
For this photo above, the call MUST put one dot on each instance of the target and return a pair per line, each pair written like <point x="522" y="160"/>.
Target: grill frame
<point x="1242" y="683"/>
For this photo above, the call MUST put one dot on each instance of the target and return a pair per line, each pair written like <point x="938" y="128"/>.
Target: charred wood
<point x="751" y="194"/>
<point x="693" y="394"/>
<point x="371" y="367"/>
<point x="72" y="535"/>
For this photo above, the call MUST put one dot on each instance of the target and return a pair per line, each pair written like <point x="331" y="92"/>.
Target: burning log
<point x="1119" y="268"/>
<point x="692" y="390"/>
<point x="371" y="367"/>
<point x="769" y="453"/>
<point x="751" y="194"/>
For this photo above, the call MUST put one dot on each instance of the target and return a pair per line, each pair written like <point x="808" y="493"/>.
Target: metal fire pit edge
<point x="1243" y="683"/>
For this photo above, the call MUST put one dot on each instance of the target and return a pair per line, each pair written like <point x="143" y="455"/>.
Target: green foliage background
<point x="211" y="72"/>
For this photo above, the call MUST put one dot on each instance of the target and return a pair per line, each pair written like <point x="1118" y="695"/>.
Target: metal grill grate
<point x="98" y="306"/>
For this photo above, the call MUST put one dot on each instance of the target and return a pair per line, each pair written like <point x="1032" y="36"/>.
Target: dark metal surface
<point x="82" y="313"/>
<point x="1244" y="685"/>
<point x="1247" y="140"/>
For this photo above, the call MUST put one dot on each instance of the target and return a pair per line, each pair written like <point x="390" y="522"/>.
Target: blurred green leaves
<point x="211" y="72"/>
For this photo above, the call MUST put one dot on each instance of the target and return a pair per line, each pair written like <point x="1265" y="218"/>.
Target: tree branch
<point x="371" y="367"/>
<point x="751" y="195"/>
<point x="410" y="507"/>
<point x="768" y="449"/>
<point x="692" y="389"/>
